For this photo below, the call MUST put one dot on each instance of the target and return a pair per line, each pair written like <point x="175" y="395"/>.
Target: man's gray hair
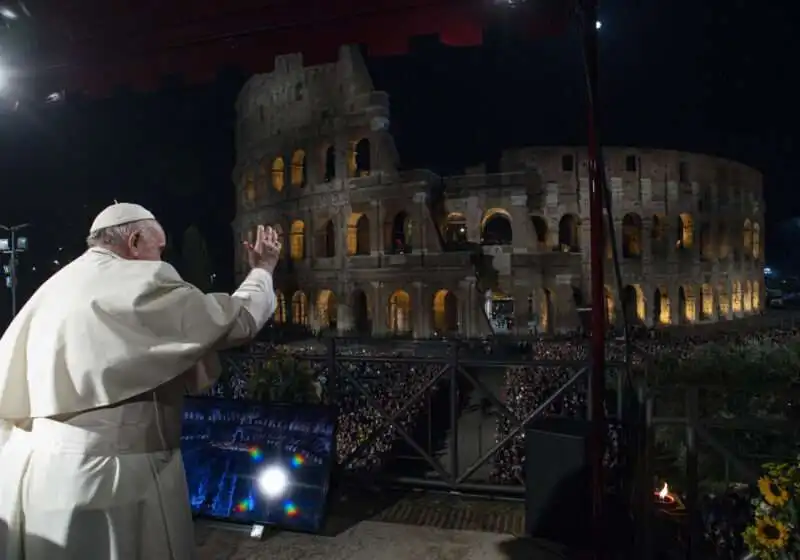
<point x="117" y="236"/>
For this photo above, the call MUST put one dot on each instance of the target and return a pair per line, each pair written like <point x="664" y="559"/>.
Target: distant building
<point x="376" y="250"/>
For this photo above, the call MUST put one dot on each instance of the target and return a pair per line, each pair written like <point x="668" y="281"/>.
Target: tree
<point x="195" y="259"/>
<point x="283" y="378"/>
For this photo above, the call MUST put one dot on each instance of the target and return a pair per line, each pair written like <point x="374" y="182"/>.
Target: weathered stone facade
<point x="373" y="249"/>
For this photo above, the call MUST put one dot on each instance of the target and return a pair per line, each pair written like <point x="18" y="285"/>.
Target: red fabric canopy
<point x="97" y="45"/>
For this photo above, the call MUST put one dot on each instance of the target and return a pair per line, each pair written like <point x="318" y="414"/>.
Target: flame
<point x="664" y="492"/>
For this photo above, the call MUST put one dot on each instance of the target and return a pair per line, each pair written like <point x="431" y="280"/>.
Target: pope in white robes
<point x="93" y="371"/>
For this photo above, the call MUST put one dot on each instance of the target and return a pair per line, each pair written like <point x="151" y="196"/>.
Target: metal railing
<point x="446" y="378"/>
<point x="709" y="431"/>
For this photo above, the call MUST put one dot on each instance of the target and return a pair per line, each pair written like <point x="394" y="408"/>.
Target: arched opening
<point x="359" y="164"/>
<point x="330" y="164"/>
<point x="736" y="302"/>
<point x="445" y="312"/>
<point x="661" y="307"/>
<point x="499" y="308"/>
<point x="685" y="231"/>
<point x="455" y="229"/>
<point x="577" y="297"/>
<point x="723" y="242"/>
<point x="540" y="230"/>
<point x="298" y="168"/>
<point x="496" y="228"/>
<point x="358" y="234"/>
<point x="326" y="241"/>
<point x="747" y="298"/>
<point x="278" y="174"/>
<point x="634" y="304"/>
<point x="280" y="308"/>
<point x="400" y="234"/>
<point x="632" y="236"/>
<point x="299" y="308"/>
<point x="361" y="317"/>
<point x="546" y="312"/>
<point x="747" y="241"/>
<point x="723" y="301"/>
<point x="658" y="236"/>
<point x="756" y="241"/>
<point x="707" y="305"/>
<point x="609" y="305"/>
<point x="569" y="240"/>
<point x="686" y="305"/>
<point x="297" y="244"/>
<point x="249" y="187"/>
<point x="399" y="316"/>
<point x="327" y="309"/>
<point x="706" y="243"/>
<point x="756" y="296"/>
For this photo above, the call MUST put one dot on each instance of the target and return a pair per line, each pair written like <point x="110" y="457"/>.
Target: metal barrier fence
<point x="436" y="415"/>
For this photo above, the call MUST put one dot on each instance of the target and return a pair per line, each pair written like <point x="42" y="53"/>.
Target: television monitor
<point x="255" y="463"/>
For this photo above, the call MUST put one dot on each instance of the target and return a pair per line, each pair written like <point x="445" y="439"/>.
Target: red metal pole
<point x="597" y="378"/>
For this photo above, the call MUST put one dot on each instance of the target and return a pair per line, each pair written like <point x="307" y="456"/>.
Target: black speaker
<point x="557" y="499"/>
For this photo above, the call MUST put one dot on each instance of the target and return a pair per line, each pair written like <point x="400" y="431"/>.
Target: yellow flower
<point x="774" y="494"/>
<point x="771" y="533"/>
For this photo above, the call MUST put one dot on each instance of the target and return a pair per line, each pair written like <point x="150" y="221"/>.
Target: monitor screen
<point x="250" y="462"/>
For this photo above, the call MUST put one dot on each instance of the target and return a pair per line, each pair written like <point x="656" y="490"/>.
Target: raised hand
<point x="265" y="251"/>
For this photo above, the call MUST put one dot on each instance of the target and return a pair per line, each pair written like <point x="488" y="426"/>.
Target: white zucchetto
<point x="120" y="213"/>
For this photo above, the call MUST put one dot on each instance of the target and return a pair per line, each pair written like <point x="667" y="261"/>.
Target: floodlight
<point x="273" y="481"/>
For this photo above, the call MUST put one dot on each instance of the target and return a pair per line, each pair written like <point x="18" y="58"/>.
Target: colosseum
<point x="373" y="249"/>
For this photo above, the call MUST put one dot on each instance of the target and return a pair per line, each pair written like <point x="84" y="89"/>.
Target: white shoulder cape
<point x="105" y="329"/>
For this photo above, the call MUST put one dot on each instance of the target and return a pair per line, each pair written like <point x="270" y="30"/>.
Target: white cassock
<point x="93" y="371"/>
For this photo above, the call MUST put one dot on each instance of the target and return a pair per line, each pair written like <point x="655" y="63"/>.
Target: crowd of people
<point x="391" y="383"/>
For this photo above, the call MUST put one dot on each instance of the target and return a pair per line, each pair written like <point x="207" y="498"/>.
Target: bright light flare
<point x="598" y="24"/>
<point x="273" y="481"/>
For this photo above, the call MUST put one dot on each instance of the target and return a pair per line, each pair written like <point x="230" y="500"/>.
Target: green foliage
<point x="195" y="260"/>
<point x="283" y="378"/>
<point x="773" y="532"/>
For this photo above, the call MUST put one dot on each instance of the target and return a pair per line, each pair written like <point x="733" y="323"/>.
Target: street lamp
<point x="11" y="246"/>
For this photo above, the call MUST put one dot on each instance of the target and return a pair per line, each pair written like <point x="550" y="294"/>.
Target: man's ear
<point x="134" y="240"/>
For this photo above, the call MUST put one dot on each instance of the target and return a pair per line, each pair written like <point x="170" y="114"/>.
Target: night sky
<point x="710" y="76"/>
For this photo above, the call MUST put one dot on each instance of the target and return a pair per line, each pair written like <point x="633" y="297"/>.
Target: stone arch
<point x="747" y="238"/>
<point x="685" y="230"/>
<point x="399" y="233"/>
<point x="569" y="237"/>
<point x="540" y="229"/>
<point x="687" y="310"/>
<point x="736" y="299"/>
<point x="361" y="315"/>
<point x="326" y="241"/>
<point x="327" y="309"/>
<point x="297" y="243"/>
<point x="359" y="163"/>
<point x="661" y="307"/>
<point x="358" y="242"/>
<point x="445" y="312"/>
<point x="756" y="295"/>
<point x="747" y="297"/>
<point x="756" y="241"/>
<point x="300" y="308"/>
<point x="499" y="308"/>
<point x="496" y="227"/>
<point x="609" y="305"/>
<point x="399" y="313"/>
<point x="723" y="301"/>
<point x="635" y="311"/>
<point x="707" y="302"/>
<point x="658" y="235"/>
<point x="329" y="164"/>
<point x="723" y="241"/>
<point x="279" y="316"/>
<point x="455" y="229"/>
<point x="299" y="168"/>
<point x="632" y="236"/>
<point x="278" y="174"/>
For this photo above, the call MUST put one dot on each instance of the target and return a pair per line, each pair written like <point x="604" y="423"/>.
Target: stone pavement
<point x="410" y="527"/>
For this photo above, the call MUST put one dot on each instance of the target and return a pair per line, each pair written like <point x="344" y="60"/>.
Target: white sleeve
<point x="257" y="298"/>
